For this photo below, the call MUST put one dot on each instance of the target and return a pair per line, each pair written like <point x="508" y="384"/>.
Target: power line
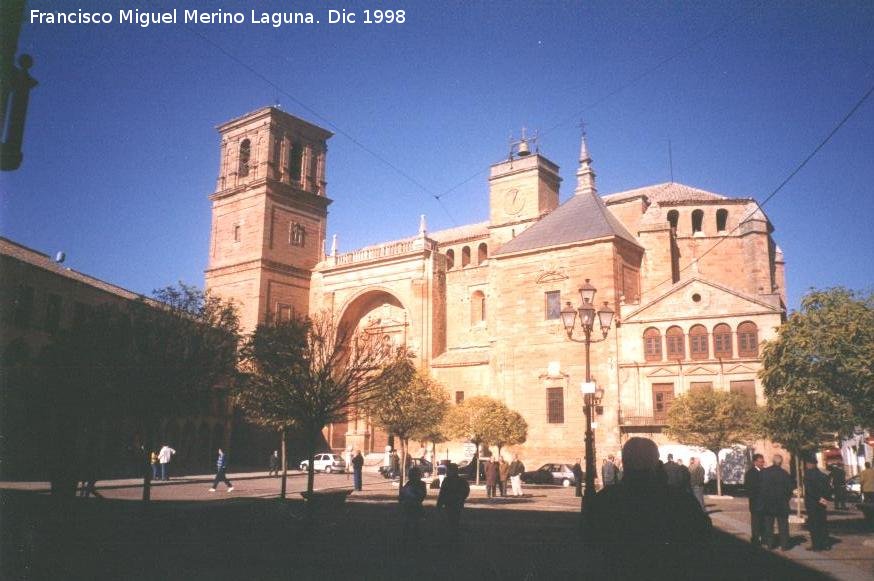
<point x="777" y="190"/>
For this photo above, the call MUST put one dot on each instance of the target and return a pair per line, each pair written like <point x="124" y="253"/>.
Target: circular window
<point x="696" y="298"/>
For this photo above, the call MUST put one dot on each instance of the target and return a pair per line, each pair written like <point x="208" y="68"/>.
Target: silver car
<point x="326" y="463"/>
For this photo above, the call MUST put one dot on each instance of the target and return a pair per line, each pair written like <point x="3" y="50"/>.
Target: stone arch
<point x="367" y="301"/>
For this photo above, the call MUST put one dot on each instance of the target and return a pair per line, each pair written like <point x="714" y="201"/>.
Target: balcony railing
<point x="642" y="418"/>
<point x="374" y="253"/>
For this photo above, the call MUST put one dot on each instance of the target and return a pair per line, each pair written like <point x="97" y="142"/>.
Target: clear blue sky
<point x="121" y="150"/>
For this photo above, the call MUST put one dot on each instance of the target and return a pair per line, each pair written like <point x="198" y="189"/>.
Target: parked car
<point x="326" y="463"/>
<point x="424" y="466"/>
<point x="467" y="469"/>
<point x="551" y="474"/>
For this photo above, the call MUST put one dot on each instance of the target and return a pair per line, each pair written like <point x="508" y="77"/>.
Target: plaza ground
<point x="188" y="532"/>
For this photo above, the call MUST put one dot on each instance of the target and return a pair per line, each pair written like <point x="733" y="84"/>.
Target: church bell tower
<point x="269" y="212"/>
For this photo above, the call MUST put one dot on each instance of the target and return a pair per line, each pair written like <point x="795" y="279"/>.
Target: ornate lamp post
<point x="591" y="394"/>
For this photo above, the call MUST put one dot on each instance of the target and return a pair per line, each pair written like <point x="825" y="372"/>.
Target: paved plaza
<point x="188" y="532"/>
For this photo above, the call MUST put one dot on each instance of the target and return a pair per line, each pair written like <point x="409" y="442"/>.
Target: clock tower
<point x="521" y="190"/>
<point x="269" y="212"/>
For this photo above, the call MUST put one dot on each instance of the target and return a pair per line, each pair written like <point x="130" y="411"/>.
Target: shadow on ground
<point x="245" y="538"/>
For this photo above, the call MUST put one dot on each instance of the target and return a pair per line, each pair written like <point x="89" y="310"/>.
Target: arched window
<point x="697" y="220"/>
<point x="673" y="218"/>
<point x="465" y="256"/>
<point x="297" y="234"/>
<point x="245" y="155"/>
<point x="477" y="308"/>
<point x="721" y="220"/>
<point x="652" y="344"/>
<point x="482" y="253"/>
<point x="747" y="340"/>
<point x="295" y="161"/>
<point x="675" y="344"/>
<point x="450" y="259"/>
<point x="722" y="341"/>
<point x="698" y="342"/>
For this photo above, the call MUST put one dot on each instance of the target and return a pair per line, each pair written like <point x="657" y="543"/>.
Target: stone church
<point x="694" y="277"/>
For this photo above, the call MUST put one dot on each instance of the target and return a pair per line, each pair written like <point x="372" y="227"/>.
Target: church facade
<point x="694" y="277"/>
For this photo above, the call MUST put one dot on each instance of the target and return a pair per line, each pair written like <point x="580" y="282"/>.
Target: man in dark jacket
<point x="696" y="480"/>
<point x="578" y="477"/>
<point x="357" y="469"/>
<point x="774" y="498"/>
<point x="641" y="528"/>
<point x="453" y="492"/>
<point x="816" y="493"/>
<point x="753" y="486"/>
<point x="608" y="472"/>
<point x="491" y="477"/>
<point x="839" y="486"/>
<point x="673" y="472"/>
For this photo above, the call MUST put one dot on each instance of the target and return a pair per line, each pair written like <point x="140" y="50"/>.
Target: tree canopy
<point x="484" y="420"/>
<point x="823" y="356"/>
<point x="713" y="420"/>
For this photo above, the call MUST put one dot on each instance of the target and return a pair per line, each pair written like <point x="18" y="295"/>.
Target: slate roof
<point x="666" y="192"/>
<point x="45" y="262"/>
<point x="583" y="217"/>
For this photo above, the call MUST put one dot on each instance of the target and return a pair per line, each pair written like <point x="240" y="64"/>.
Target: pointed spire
<point x="423" y="228"/>
<point x="585" y="173"/>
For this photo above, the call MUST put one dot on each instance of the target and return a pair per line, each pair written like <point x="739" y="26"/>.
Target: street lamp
<point x="592" y="395"/>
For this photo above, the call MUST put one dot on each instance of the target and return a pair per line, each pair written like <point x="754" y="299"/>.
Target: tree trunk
<point x="405" y="443"/>
<point x="476" y="467"/>
<point x="284" y="463"/>
<point x="718" y="474"/>
<point x="311" y="457"/>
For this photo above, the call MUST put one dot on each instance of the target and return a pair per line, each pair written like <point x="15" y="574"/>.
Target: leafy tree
<point x="484" y="420"/>
<point x="338" y="370"/>
<point x="144" y="360"/>
<point x="272" y="357"/>
<point x="826" y="347"/>
<point x="713" y="420"/>
<point x="412" y="404"/>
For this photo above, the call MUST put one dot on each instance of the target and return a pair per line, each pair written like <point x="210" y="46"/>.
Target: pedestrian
<point x="153" y="460"/>
<point x="503" y="475"/>
<point x="816" y="495"/>
<point x="866" y="480"/>
<point x="394" y="465"/>
<point x="578" y="477"/>
<point x="608" y="472"/>
<point x="491" y="477"/>
<point x="696" y="480"/>
<point x="515" y="473"/>
<point x="775" y="494"/>
<point x="357" y="467"/>
<point x="641" y="528"/>
<point x="753" y="486"/>
<point x="274" y="464"/>
<point x="453" y="492"/>
<point x="677" y="475"/>
<point x="164" y="456"/>
<point x="838" y="479"/>
<point x="221" y="465"/>
<point x="347" y="460"/>
<point x="411" y="495"/>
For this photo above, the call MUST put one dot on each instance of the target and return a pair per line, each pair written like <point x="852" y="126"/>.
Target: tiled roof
<point x="666" y="192"/>
<point x="583" y="217"/>
<point x="460" y="232"/>
<point x="45" y="262"/>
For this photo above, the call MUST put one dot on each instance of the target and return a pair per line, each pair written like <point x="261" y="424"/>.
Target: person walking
<point x="816" y="495"/>
<point x="774" y="497"/>
<point x="394" y="464"/>
<point x="221" y="465"/>
<point x="503" y="475"/>
<point x="515" y="472"/>
<point x="866" y="480"/>
<point x="357" y="467"/>
<point x="274" y="464"/>
<point x="838" y="479"/>
<point x="411" y="495"/>
<point x="696" y="480"/>
<point x="608" y="472"/>
<point x="641" y="528"/>
<point x="577" y="469"/>
<point x="453" y="492"/>
<point x="753" y="486"/>
<point x="491" y="477"/>
<point x="153" y="460"/>
<point x="164" y="456"/>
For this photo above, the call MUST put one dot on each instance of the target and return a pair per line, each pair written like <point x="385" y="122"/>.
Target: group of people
<point x="499" y="472"/>
<point x="160" y="462"/>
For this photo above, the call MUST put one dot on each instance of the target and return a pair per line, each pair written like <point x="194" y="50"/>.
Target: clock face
<point x="513" y="201"/>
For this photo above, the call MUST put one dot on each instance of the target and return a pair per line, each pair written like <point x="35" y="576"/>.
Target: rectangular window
<point x="236" y="232"/>
<point x="662" y="397"/>
<point x="284" y="313"/>
<point x="553" y="305"/>
<point x="53" y="312"/>
<point x="555" y="405"/>
<point x="701" y="386"/>
<point x="745" y="388"/>
<point x="459" y="397"/>
<point x="23" y="307"/>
